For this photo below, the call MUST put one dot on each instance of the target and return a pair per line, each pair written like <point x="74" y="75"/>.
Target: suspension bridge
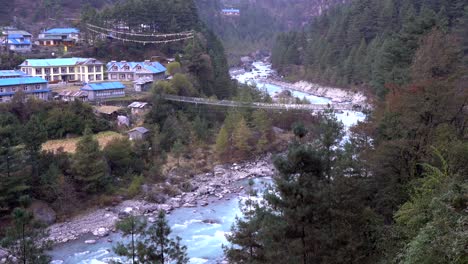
<point x="272" y="106"/>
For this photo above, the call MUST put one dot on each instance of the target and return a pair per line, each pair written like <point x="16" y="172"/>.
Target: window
<point x="72" y="77"/>
<point x="71" y="69"/>
<point x="56" y="78"/>
<point x="47" y="78"/>
<point x="63" y="70"/>
<point x="122" y="76"/>
<point x="13" y="89"/>
<point x="90" y="69"/>
<point x="47" y="70"/>
<point x="114" y="68"/>
<point x="98" y="77"/>
<point x="138" y="67"/>
<point x="38" y="87"/>
<point x="113" y="76"/>
<point x="56" y="70"/>
<point x="98" y="68"/>
<point x="25" y="88"/>
<point x="126" y="67"/>
<point x="91" y="77"/>
<point x="1" y="90"/>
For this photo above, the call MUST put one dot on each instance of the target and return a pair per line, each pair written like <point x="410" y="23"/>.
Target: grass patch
<point x="69" y="144"/>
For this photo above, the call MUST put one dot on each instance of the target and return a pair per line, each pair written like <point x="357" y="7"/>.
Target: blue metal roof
<point x="230" y="10"/>
<point x="18" y="42"/>
<point x="21" y="80"/>
<point x="62" y="31"/>
<point x="11" y="73"/>
<point x="53" y="62"/>
<point x="27" y="92"/>
<point x="103" y="86"/>
<point x="13" y="36"/>
<point x="154" y="67"/>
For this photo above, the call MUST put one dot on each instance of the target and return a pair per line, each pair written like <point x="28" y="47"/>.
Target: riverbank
<point x="220" y="183"/>
<point x="336" y="95"/>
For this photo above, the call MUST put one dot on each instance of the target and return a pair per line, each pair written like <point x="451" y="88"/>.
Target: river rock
<point x="90" y="241"/>
<point x="100" y="232"/>
<point x="43" y="212"/>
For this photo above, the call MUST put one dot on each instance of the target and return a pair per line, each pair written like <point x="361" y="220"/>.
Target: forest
<point x="367" y="43"/>
<point x="397" y="191"/>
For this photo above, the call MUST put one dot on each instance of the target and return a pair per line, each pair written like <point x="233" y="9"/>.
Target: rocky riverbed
<point x="218" y="184"/>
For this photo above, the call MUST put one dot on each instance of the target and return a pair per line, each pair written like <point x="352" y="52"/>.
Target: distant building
<point x="142" y="84"/>
<point x="11" y="74"/>
<point x="137" y="133"/>
<point x="65" y="69"/>
<point x="105" y="90"/>
<point x="230" y="12"/>
<point x="16" y="40"/>
<point x="70" y="96"/>
<point x="132" y="71"/>
<point x="59" y="36"/>
<point x="30" y="86"/>
<point x="138" y="108"/>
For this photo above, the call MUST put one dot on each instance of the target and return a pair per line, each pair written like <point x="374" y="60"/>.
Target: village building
<point x="16" y="40"/>
<point x="105" y="90"/>
<point x="137" y="133"/>
<point x="30" y="86"/>
<point x="11" y="74"/>
<point x="230" y="12"/>
<point x="133" y="71"/>
<point x="138" y="108"/>
<point x="70" y="96"/>
<point x="59" y="36"/>
<point x="65" y="69"/>
<point x="143" y="84"/>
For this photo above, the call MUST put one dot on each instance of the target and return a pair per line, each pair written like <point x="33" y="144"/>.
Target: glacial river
<point x="204" y="241"/>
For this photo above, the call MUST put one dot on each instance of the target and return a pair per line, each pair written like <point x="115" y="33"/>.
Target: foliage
<point x="89" y="168"/>
<point x="26" y="239"/>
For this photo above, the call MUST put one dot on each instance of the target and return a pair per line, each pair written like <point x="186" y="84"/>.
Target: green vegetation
<point x="153" y="244"/>
<point x="367" y="42"/>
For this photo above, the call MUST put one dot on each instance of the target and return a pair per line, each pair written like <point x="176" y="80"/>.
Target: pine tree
<point x="222" y="141"/>
<point x="133" y="227"/>
<point x="241" y="135"/>
<point x="26" y="239"/>
<point x="88" y="166"/>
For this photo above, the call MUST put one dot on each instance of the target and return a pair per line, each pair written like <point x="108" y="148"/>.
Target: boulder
<point x="3" y="253"/>
<point x="43" y="212"/>
<point x="100" y="232"/>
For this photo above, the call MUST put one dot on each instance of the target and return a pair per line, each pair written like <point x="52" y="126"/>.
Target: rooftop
<point x="57" y="62"/>
<point x="103" y="86"/>
<point x="21" y="80"/>
<point x="230" y="10"/>
<point x="11" y="73"/>
<point x="140" y="129"/>
<point x="137" y="105"/>
<point x="16" y="32"/>
<point x="154" y="67"/>
<point x="62" y="31"/>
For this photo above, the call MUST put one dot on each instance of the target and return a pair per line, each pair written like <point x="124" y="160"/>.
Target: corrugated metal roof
<point x="16" y="31"/>
<point x="62" y="31"/>
<point x="19" y="42"/>
<point x="103" y="86"/>
<point x="140" y="129"/>
<point x="21" y="80"/>
<point x="11" y="73"/>
<point x="137" y="105"/>
<point x="230" y="10"/>
<point x="154" y="67"/>
<point x="53" y="62"/>
<point x="12" y="36"/>
<point x="74" y="93"/>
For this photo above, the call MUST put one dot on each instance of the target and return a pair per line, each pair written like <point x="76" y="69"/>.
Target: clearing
<point x="69" y="144"/>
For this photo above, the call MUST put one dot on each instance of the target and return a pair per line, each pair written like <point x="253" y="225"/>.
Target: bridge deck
<point x="276" y="106"/>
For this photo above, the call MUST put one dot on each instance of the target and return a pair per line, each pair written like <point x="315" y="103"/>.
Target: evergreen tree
<point x="241" y="136"/>
<point x="26" y="239"/>
<point x="89" y="168"/>
<point x="133" y="227"/>
<point x="222" y="141"/>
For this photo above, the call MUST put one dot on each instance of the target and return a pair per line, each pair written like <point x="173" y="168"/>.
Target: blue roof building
<point x="104" y="90"/>
<point x="30" y="86"/>
<point x="230" y="12"/>
<point x="59" y="36"/>
<point x="11" y="74"/>
<point x="16" y="40"/>
<point x="133" y="71"/>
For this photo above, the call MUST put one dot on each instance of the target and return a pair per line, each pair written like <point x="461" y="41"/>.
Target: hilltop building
<point x="11" y="74"/>
<point x="105" y="90"/>
<point x="65" y="69"/>
<point x="16" y="40"/>
<point x="133" y="71"/>
<point x="230" y="12"/>
<point x="59" y="36"/>
<point x="30" y="86"/>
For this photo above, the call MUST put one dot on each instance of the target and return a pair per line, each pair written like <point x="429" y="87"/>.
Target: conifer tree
<point x="241" y="135"/>
<point x="88" y="165"/>
<point x="133" y="227"/>
<point x="222" y="141"/>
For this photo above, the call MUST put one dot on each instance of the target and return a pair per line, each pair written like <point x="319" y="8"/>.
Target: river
<point x="203" y="240"/>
